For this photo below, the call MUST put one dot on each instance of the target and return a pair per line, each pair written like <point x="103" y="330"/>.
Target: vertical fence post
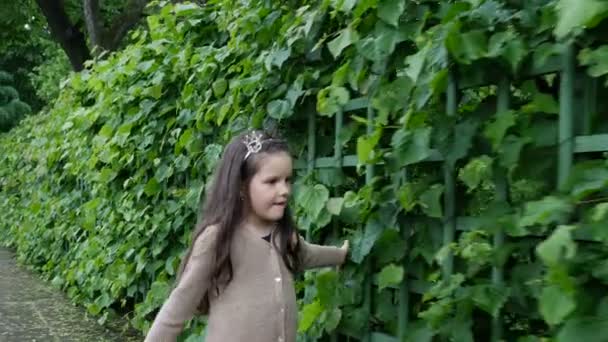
<point x="310" y="165"/>
<point x="312" y="147"/>
<point x="590" y="103"/>
<point x="338" y="164"/>
<point x="565" y="135"/>
<point x="369" y="175"/>
<point x="449" y="222"/>
<point x="501" y="196"/>
<point x="337" y="141"/>
<point x="404" y="299"/>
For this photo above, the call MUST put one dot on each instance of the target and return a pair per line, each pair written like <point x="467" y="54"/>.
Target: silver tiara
<point x="253" y="141"/>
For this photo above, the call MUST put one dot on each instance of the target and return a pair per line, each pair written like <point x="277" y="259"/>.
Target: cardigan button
<point x="277" y="279"/>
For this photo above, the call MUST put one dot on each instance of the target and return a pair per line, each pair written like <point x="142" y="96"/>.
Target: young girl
<point x="245" y="252"/>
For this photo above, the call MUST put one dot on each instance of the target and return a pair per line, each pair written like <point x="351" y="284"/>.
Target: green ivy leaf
<point x="600" y="271"/>
<point x="584" y="329"/>
<point x="389" y="247"/>
<point x="279" y="109"/>
<point x="331" y="99"/>
<point x="181" y="163"/>
<point x="391" y="10"/>
<point x="510" y="151"/>
<point x="187" y="9"/>
<point x="476" y="172"/>
<point x="541" y="103"/>
<point x="326" y="283"/>
<point x="354" y="321"/>
<point x="415" y="63"/>
<point x="308" y="315"/>
<point x="163" y="172"/>
<point x="105" y="133"/>
<point x="384" y="307"/>
<point x="389" y="276"/>
<point x="158" y="292"/>
<point x="489" y="298"/>
<point x="595" y="59"/>
<point x="548" y="210"/>
<point x="365" y="240"/>
<point x="474" y="244"/>
<point x="351" y="207"/>
<point x="411" y="146"/>
<point x="333" y="319"/>
<point x="430" y="201"/>
<point x="313" y="199"/>
<point x="460" y="328"/>
<point x="344" y="5"/>
<point x="186" y="140"/>
<point x="467" y="47"/>
<point x="366" y="145"/>
<point x="555" y="304"/>
<point x="379" y="46"/>
<point x="509" y="46"/>
<point x="600" y="212"/>
<point x="152" y="187"/>
<point x="155" y="91"/>
<point x="347" y="37"/>
<point x="341" y="74"/>
<point x="123" y="133"/>
<point x="219" y="87"/>
<point x="106" y="175"/>
<point x="363" y="6"/>
<point x="170" y="265"/>
<point x="334" y="205"/>
<point x="573" y="14"/>
<point x="419" y="331"/>
<point x="391" y="98"/>
<point x="542" y="133"/>
<point x="407" y="196"/>
<point x="558" y="247"/>
<point x="295" y="91"/>
<point x="588" y="178"/>
<point x="277" y="57"/>
<point x="331" y="177"/>
<point x="496" y="129"/>
<point x="436" y="313"/>
<point x="458" y="146"/>
<point x="514" y="53"/>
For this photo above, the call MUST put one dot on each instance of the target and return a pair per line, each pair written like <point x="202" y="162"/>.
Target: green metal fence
<point x="571" y="141"/>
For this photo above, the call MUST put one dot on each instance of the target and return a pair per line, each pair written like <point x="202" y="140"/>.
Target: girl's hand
<point x="345" y="247"/>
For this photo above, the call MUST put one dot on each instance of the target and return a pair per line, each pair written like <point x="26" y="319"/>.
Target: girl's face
<point x="269" y="188"/>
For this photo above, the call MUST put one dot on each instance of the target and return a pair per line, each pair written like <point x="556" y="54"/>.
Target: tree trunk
<point x="131" y="15"/>
<point x="93" y="20"/>
<point x="72" y="40"/>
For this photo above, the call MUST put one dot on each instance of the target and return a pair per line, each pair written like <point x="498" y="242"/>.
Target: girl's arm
<point x="185" y="298"/>
<point x="314" y="256"/>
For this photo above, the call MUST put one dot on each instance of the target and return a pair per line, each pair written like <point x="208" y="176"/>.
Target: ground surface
<point x="32" y="310"/>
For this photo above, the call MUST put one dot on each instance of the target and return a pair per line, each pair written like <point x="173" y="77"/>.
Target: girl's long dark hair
<point x="224" y="208"/>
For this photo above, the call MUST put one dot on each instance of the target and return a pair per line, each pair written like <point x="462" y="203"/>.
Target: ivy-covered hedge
<point x="101" y="193"/>
<point x="12" y="109"/>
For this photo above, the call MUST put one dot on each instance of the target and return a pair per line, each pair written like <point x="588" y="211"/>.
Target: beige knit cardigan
<point x="258" y="305"/>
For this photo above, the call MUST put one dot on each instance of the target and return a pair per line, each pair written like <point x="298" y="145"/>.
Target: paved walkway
<point x="32" y="310"/>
